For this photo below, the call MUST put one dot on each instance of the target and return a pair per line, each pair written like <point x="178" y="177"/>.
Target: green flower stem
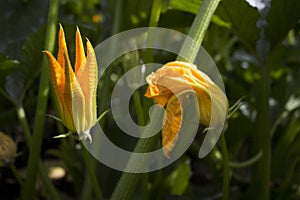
<point x="154" y="18"/>
<point x="139" y="109"/>
<point x="141" y="122"/>
<point x="47" y="183"/>
<point x="86" y="192"/>
<point x="91" y="170"/>
<point x="34" y="156"/>
<point x="198" y="29"/>
<point x="226" y="169"/>
<point x="128" y="181"/>
<point x="155" y="13"/>
<point x="24" y="123"/>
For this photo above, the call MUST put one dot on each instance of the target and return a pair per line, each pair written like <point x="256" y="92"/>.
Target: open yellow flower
<point x="75" y="92"/>
<point x="175" y="78"/>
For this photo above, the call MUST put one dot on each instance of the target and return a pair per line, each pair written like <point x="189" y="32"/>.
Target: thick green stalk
<point x="155" y="13"/>
<point x="261" y="175"/>
<point x="198" y="29"/>
<point x="34" y="156"/>
<point x="128" y="181"/>
<point x="154" y="18"/>
<point x="141" y="122"/>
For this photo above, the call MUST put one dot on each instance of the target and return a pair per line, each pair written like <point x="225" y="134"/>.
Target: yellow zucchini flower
<point x="75" y="91"/>
<point x="176" y="78"/>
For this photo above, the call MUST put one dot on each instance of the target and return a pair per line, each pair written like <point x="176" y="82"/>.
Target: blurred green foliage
<point x="231" y="40"/>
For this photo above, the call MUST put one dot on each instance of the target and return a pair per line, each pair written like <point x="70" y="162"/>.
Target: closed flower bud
<point x="75" y="90"/>
<point x="8" y="148"/>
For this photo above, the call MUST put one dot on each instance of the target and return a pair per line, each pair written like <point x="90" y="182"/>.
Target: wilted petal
<point x="173" y="119"/>
<point x="174" y="78"/>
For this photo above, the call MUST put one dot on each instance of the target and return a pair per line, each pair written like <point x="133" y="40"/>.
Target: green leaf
<point x="21" y="77"/>
<point x="282" y="17"/>
<point x="14" y="84"/>
<point x="6" y="67"/>
<point x="19" y="18"/>
<point x="6" y="63"/>
<point x="193" y="6"/>
<point x="242" y="18"/>
<point x="31" y="56"/>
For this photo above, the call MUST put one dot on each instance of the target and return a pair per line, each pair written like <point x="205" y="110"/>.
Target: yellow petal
<point x="70" y="87"/>
<point x="57" y="78"/>
<point x="80" y="56"/>
<point x="173" y="120"/>
<point x="56" y="73"/>
<point x="62" y="47"/>
<point x="88" y="78"/>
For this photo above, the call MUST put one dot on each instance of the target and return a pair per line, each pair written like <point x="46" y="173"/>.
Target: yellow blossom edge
<point x="174" y="78"/>
<point x="75" y="92"/>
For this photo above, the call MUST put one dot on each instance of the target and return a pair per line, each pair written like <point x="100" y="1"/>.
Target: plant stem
<point x="261" y="175"/>
<point x="90" y="165"/>
<point x="154" y="18"/>
<point x="46" y="181"/>
<point x="141" y="122"/>
<point x="246" y="163"/>
<point x="155" y="13"/>
<point x="16" y="174"/>
<point x="34" y="156"/>
<point x="24" y="123"/>
<point x="128" y="181"/>
<point x="198" y="29"/>
<point x="226" y="169"/>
